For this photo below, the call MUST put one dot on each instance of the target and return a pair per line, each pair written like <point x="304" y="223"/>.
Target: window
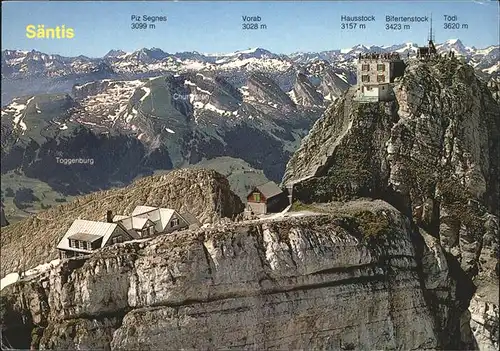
<point x="174" y="222"/>
<point x="89" y="246"/>
<point x="81" y="244"/>
<point x="365" y="78"/>
<point x="256" y="197"/>
<point x="381" y="78"/>
<point x="365" y="67"/>
<point x="117" y="239"/>
<point x="380" y="67"/>
<point x="72" y="243"/>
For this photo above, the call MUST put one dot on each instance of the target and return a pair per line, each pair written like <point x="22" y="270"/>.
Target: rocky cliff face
<point x="3" y="220"/>
<point x="493" y="85"/>
<point x="205" y="194"/>
<point x="348" y="278"/>
<point x="432" y="153"/>
<point x="265" y="89"/>
<point x="328" y="79"/>
<point x="305" y="93"/>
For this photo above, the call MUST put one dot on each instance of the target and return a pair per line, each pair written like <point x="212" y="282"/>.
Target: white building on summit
<point x="376" y="72"/>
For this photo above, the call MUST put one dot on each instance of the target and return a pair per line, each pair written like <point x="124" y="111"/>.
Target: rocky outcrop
<point x="3" y="220"/>
<point x="204" y="193"/>
<point x="484" y="322"/>
<point x="349" y="278"/>
<point x="493" y="86"/>
<point x="327" y="79"/>
<point x="266" y="90"/>
<point x="305" y="93"/>
<point x="432" y="153"/>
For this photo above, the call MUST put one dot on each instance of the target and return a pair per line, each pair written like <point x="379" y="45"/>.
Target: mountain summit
<point x="433" y="154"/>
<point x="114" y="53"/>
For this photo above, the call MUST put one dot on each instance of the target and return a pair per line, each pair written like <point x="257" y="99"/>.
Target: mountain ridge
<point x="56" y="73"/>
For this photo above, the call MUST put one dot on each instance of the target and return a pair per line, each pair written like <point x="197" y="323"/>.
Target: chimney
<point x="109" y="216"/>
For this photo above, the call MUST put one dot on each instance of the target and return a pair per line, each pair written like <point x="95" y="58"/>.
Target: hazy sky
<point x="216" y="26"/>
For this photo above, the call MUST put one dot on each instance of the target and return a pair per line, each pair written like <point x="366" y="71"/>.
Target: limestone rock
<point x="305" y="93"/>
<point x="3" y="220"/>
<point x="432" y="153"/>
<point x="484" y="323"/>
<point x="316" y="282"/>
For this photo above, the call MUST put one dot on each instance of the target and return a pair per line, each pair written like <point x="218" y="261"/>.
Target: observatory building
<point x="376" y="72"/>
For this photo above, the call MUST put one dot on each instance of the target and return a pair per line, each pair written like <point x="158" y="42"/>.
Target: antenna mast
<point x="431" y="37"/>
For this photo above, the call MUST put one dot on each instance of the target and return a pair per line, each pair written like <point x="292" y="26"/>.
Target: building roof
<point x="157" y="215"/>
<point x="137" y="223"/>
<point x="269" y="189"/>
<point x="190" y="219"/>
<point x="116" y="218"/>
<point x="81" y="226"/>
<point x="85" y="237"/>
<point x="142" y="209"/>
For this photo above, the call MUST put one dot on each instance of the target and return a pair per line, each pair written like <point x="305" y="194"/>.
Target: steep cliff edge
<point x="434" y="154"/>
<point x="204" y="193"/>
<point x="346" y="278"/>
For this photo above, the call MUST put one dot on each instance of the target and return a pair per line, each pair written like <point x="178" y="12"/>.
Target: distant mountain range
<point x="55" y="73"/>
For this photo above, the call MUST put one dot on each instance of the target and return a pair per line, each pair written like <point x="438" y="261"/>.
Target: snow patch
<point x="492" y="69"/>
<point x="203" y="91"/>
<point x="147" y="90"/>
<point x="131" y="115"/>
<point x="292" y="96"/>
<point x="194" y="65"/>
<point x="342" y="76"/>
<point x="244" y="91"/>
<point x="11" y="278"/>
<point x="18" y="110"/>
<point x="211" y="107"/>
<point x="89" y="123"/>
